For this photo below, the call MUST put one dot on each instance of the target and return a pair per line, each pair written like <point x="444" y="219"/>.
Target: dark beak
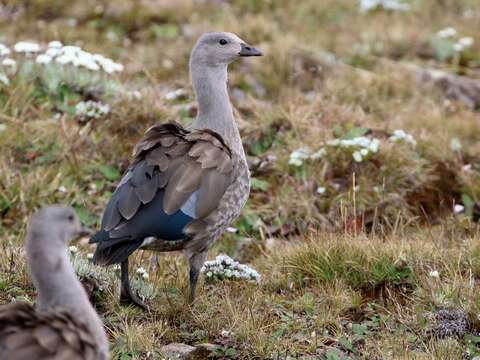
<point x="85" y="231"/>
<point x="249" y="51"/>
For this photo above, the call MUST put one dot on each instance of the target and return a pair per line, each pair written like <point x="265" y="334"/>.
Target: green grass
<point x="346" y="272"/>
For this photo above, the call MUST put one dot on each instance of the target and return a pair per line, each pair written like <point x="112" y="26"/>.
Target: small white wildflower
<point x="374" y="145"/>
<point x="53" y="52"/>
<point x="4" y="51"/>
<point x="318" y="154"/>
<point x="64" y="59"/>
<point x="140" y="271"/>
<point x="321" y="190"/>
<point x="298" y="156"/>
<point x="9" y="62"/>
<point x="26" y="47"/>
<point x="357" y="156"/>
<point x="73" y="249"/>
<point x="364" y="152"/>
<point x="458" y="47"/>
<point x="91" y="110"/>
<point x="90" y="256"/>
<point x="209" y="274"/>
<point x="62" y="189"/>
<point x="225" y="333"/>
<point x="458" y="208"/>
<point x="43" y="59"/>
<point x="466" y="41"/>
<point x="145" y="276"/>
<point x="455" y="144"/>
<point x="168" y="64"/>
<point x="401" y="135"/>
<point x="467" y="167"/>
<point x="232" y="230"/>
<point x="447" y="32"/>
<point x="434" y="274"/>
<point x="55" y="44"/>
<point x="175" y="94"/>
<point x="394" y="5"/>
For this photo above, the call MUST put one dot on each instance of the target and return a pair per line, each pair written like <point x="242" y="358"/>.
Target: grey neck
<point x="214" y="108"/>
<point x="57" y="284"/>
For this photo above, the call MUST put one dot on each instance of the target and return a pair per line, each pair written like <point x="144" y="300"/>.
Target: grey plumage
<point x="185" y="185"/>
<point x="64" y="325"/>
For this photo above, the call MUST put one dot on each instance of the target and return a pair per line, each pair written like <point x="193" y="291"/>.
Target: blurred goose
<point x="64" y="325"/>
<point x="185" y="185"/>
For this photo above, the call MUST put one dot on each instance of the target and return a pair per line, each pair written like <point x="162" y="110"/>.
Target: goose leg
<point x="127" y="296"/>
<point x="196" y="262"/>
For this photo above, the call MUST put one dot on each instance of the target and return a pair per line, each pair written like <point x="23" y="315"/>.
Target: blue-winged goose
<point x="64" y="325"/>
<point x="185" y="185"/>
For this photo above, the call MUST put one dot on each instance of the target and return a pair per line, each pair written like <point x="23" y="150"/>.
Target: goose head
<point x="60" y="222"/>
<point x="220" y="49"/>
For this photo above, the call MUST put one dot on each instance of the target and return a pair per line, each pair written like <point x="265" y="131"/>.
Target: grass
<point x="347" y="272"/>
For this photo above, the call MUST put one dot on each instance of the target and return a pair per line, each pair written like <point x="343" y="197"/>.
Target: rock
<point x="187" y="352"/>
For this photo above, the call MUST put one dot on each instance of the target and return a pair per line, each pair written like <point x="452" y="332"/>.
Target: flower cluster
<point x="90" y="109"/>
<point x="395" y="5"/>
<point x="224" y="267"/>
<point x="401" y="135"/>
<point x="360" y="147"/>
<point x="63" y="55"/>
<point x="459" y="45"/>
<point x="297" y="157"/>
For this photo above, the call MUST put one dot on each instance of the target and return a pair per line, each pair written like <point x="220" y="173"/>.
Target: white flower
<point x="357" y="156"/>
<point x="64" y="59"/>
<point x="396" y="5"/>
<point x="62" y="189"/>
<point x="321" y="190"/>
<point x="447" y="32"/>
<point x="73" y="249"/>
<point x="55" y="44"/>
<point x="4" y="50"/>
<point x="298" y="156"/>
<point x="26" y="47"/>
<point x="91" y="110"/>
<point x="374" y="145"/>
<point x="467" y="167"/>
<point x="175" y="94"/>
<point x="434" y="274"/>
<point x="455" y="144"/>
<point x="225" y="333"/>
<point x="232" y="230"/>
<point x="458" y="208"/>
<point x="364" y="152"/>
<point x="90" y="256"/>
<point x="466" y="41"/>
<point x="458" y="47"/>
<point x="318" y="154"/>
<point x="401" y="135"/>
<point x="145" y="276"/>
<point x="140" y="271"/>
<point x="43" y="59"/>
<point x="9" y="62"/>
<point x="224" y="267"/>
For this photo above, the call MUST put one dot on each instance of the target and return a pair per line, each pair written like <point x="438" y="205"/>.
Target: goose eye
<point x="70" y="218"/>
<point x="223" y="42"/>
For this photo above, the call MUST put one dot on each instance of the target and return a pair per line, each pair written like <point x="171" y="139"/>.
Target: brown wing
<point x="180" y="162"/>
<point x="27" y="335"/>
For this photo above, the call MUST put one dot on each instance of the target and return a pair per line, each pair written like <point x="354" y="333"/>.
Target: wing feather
<point x="177" y="161"/>
<point x="26" y="334"/>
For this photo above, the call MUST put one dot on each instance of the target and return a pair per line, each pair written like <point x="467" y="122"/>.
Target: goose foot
<point x="127" y="295"/>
